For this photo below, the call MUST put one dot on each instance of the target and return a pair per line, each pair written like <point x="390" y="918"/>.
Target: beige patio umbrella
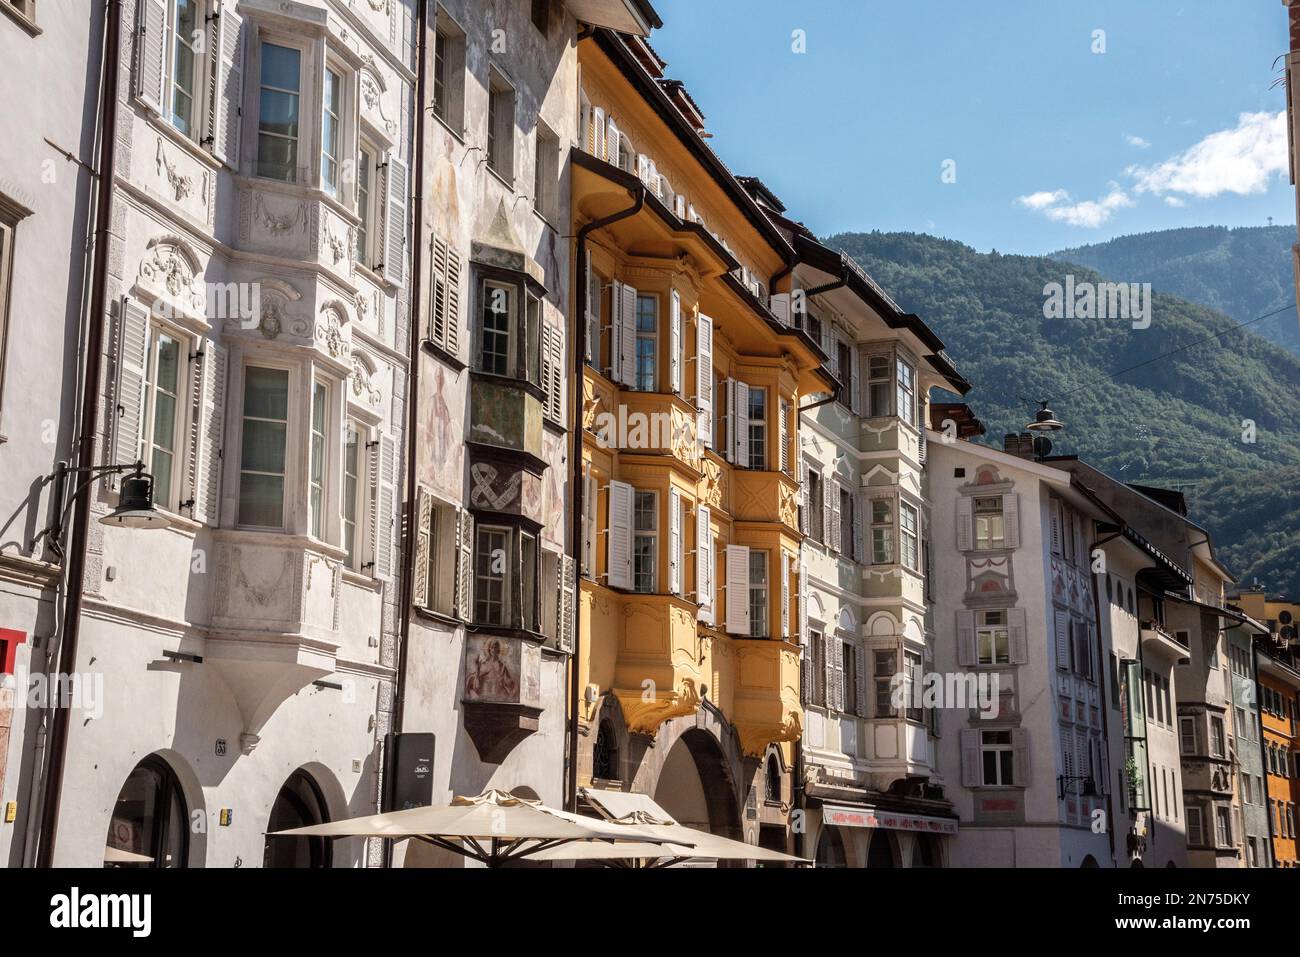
<point x="115" y="855"/>
<point x="495" y="827"/>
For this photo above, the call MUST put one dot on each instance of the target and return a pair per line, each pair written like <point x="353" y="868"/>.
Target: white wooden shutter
<point x="786" y="565"/>
<point x="738" y="590"/>
<point x="740" y="423"/>
<point x="423" y="547"/>
<point x="837" y="532"/>
<point x="627" y="342"/>
<point x="598" y="132"/>
<point x="1020" y="758"/>
<point x="552" y="372"/>
<point x="971" y="765"/>
<point x="704" y="377"/>
<point x="396" y="187"/>
<point x="464" y="596"/>
<point x="592" y="310"/>
<point x="964" y="520"/>
<point x="834" y="353"/>
<point x="225" y="117"/>
<point x="612" y="144"/>
<point x="704" y="562"/>
<point x="1019" y="637"/>
<point x="1054" y="511"/>
<point x="384" y="484"/>
<point x="588" y="525"/>
<point x="675" y="377"/>
<point x="1011" y="520"/>
<point x="805" y="505"/>
<point x="615" y="367"/>
<point x="211" y="434"/>
<point x="859" y="535"/>
<point x="565" y="596"/>
<point x="860" y="680"/>
<point x="129" y="387"/>
<point x="151" y="53"/>
<point x="619" y="560"/>
<point x="828" y="493"/>
<point x="835" y="652"/>
<point x="779" y="303"/>
<point x="1062" y="622"/>
<point x="808" y="676"/>
<point x="783" y="435"/>
<point x="966" y="651"/>
<point x="674" y="542"/>
<point x="851" y="383"/>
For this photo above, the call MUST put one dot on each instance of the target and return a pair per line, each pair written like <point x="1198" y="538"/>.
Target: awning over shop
<point x="842" y="816"/>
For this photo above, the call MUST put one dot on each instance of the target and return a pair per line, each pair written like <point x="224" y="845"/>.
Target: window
<point x="449" y="73"/>
<point x="907" y="535"/>
<point x="847" y="524"/>
<point x="997" y="757"/>
<point x="365" y="204"/>
<point x="150" y="817"/>
<point x="184" y="48"/>
<point x="989" y="528"/>
<point x="906" y="392"/>
<point x="352" y="444"/>
<point x="911" y="683"/>
<point x="758" y="623"/>
<point x="1223" y="826"/>
<point x="494" y="334"/>
<point x="316" y="485"/>
<point x="162" y="415"/>
<point x="262" y="462"/>
<point x="277" y="122"/>
<point x="331" y="132"/>
<point x="604" y="756"/>
<point x="993" y="638"/>
<point x="491" y="575"/>
<point x="546" y="173"/>
<point x="882" y="532"/>
<point x="1187" y="735"/>
<point x="501" y="127"/>
<point x="645" y="533"/>
<point x="1195" y="832"/>
<point x="758" y="429"/>
<point x="844" y="356"/>
<point x="815" y="492"/>
<point x="884" y="667"/>
<point x="850" y="663"/>
<point x="879" y="387"/>
<point x="528" y="580"/>
<point x="1218" y="746"/>
<point x="647" y="341"/>
<point x="816" y="661"/>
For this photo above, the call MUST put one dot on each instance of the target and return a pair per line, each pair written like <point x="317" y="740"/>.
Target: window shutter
<point x="1011" y="520"/>
<point x="964" y="523"/>
<point x="703" y="562"/>
<point x="444" y="298"/>
<point x="971" y="776"/>
<point x="834" y="353"/>
<point x="859" y="538"/>
<point x="827" y="516"/>
<point x="612" y="144"/>
<point x="851" y="383"/>
<point x="211" y="434"/>
<point x="464" y="596"/>
<point x="395" y="179"/>
<point x="1020" y="760"/>
<point x="132" y="358"/>
<point x="836" y="536"/>
<point x="598" y="128"/>
<point x="588" y="525"/>
<point x="1062" y="640"/>
<point x="783" y="435"/>
<point x="740" y="429"/>
<point x="552" y="372"/>
<point x="674" y="541"/>
<point x="619" y="560"/>
<point x="151" y="53"/>
<point x="786" y="565"/>
<point x="565" y="597"/>
<point x="704" y="377"/>
<point x="384" y="484"/>
<point x="615" y="367"/>
<point x="738" y="590"/>
<point x="779" y="303"/>
<point x="423" y="547"/>
<point x="627" y="342"/>
<point x="805" y="506"/>
<point x="966" y="652"/>
<point x="1018" y="635"/>
<point x="1055" y="512"/>
<point x="225" y="116"/>
<point x="592" y="309"/>
<point x="807" y="675"/>
<point x="674" y="343"/>
<point x="835" y="650"/>
<point x="860" y="680"/>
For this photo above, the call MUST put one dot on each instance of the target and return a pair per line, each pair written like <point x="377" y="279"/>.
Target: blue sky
<point x="1054" y="145"/>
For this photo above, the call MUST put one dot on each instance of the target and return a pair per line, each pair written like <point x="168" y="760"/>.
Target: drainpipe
<point x="1263" y="751"/>
<point x="85" y="453"/>
<point x="579" y="299"/>
<point x="1105" y="708"/>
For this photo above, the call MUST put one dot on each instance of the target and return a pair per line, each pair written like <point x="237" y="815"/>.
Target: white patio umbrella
<point x="493" y="828"/>
<point x="115" y="855"/>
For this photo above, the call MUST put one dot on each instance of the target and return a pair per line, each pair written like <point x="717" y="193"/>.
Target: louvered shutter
<point x="1020" y="759"/>
<point x="851" y="383"/>
<point x="612" y="143"/>
<point x="1011" y="520"/>
<point x="615" y="367"/>
<point x="423" y="547"/>
<point x="835" y="651"/>
<point x="129" y="387"/>
<point x="967" y="654"/>
<point x="211" y="434"/>
<point x="805" y="507"/>
<point x="783" y="436"/>
<point x="834" y="353"/>
<point x="836" y="536"/>
<point x="151" y="53"/>
<point x="675" y="377"/>
<point x="779" y="303"/>
<point x="437" y="331"/>
<point x="225" y="118"/>
<point x="828" y="493"/>
<point x="1062" y="621"/>
<point x="808" y="675"/>
<point x="619" y="560"/>
<point x="860" y="680"/>
<point x="740" y="423"/>
<point x="565" y="596"/>
<point x="674" y="542"/>
<point x="385" y="511"/>
<point x="738" y="590"/>
<point x="598" y="129"/>
<point x="627" y="341"/>
<point x="464" y="597"/>
<point x="1054" y="512"/>
<point x="859" y="539"/>
<point x="704" y="377"/>
<point x="592" y="310"/>
<point x="552" y="377"/>
<point x="588" y="525"/>
<point x="785" y="594"/>
<point x="964" y="523"/>
<point x="395" y="179"/>
<point x="1019" y="637"/>
<point x="703" y="561"/>
<point x="971" y="770"/>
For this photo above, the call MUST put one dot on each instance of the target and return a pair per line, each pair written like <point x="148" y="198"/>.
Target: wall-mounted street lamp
<point x="1044" y="424"/>
<point x="135" y="507"/>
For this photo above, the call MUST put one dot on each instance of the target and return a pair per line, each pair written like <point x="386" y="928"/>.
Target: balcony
<point x="1158" y="641"/>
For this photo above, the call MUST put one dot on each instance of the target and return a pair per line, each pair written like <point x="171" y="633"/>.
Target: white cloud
<point x="1241" y="160"/>
<point x="1175" y="202"/>
<point x="1136" y="141"/>
<point x="1089" y="214"/>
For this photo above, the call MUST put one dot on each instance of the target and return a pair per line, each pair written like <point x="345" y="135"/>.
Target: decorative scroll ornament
<point x="181" y="185"/>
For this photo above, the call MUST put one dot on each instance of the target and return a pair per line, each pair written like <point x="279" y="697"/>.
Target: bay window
<point x="262" y="461"/>
<point x="912" y="678"/>
<point x="757" y="428"/>
<point x="162" y="412"/>
<point x="331" y="132"/>
<point x="491" y="575"/>
<point x="508" y="338"/>
<point x="647" y="341"/>
<point x="644" y="541"/>
<point x="909" y="547"/>
<point x="758" y="624"/>
<point x="278" y="114"/>
<point x="495" y="328"/>
<point x="906" y="392"/>
<point x="506" y="562"/>
<point x="884" y="667"/>
<point x="879" y="387"/>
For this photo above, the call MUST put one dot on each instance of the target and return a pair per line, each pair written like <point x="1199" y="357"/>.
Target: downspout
<point x="1263" y="751"/>
<point x="85" y="452"/>
<point x="579" y="301"/>
<point x="1105" y="709"/>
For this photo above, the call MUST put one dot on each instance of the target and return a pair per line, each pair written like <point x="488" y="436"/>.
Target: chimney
<point x="1020" y="445"/>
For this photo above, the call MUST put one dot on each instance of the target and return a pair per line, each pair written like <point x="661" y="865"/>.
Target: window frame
<point x="302" y="53"/>
<point x="1004" y="764"/>
<point x="757" y="437"/>
<point x="197" y="73"/>
<point x="318" y="459"/>
<point x="650" y="534"/>
<point x="998" y="632"/>
<point x="652" y="338"/>
<point x="982" y="520"/>
<point x="365" y="202"/>
<point x="759" y="593"/>
<point x="326" y="114"/>
<point x="181" y="418"/>
<point x="356" y="500"/>
<point x="913" y="535"/>
<point x="504" y="533"/>
<point x="292" y="375"/>
<point x="502" y="125"/>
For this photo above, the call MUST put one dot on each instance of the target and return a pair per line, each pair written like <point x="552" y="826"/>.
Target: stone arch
<point x="883" y="624"/>
<point x="714" y="751"/>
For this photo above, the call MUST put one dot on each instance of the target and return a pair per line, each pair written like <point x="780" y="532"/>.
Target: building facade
<point x="1251" y="749"/>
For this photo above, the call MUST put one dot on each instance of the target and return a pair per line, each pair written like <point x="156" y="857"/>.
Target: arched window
<point x="150" y="823"/>
<point x="604" y="757"/>
<point x="299" y="804"/>
<point x="773" y="783"/>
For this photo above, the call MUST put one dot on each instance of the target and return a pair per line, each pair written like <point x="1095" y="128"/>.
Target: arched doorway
<point x="150" y="818"/>
<point x="925" y="853"/>
<point x="880" y="852"/>
<point x="695" y="787"/>
<point x="1089" y="861"/>
<point x="299" y="804"/>
<point x="830" y="848"/>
